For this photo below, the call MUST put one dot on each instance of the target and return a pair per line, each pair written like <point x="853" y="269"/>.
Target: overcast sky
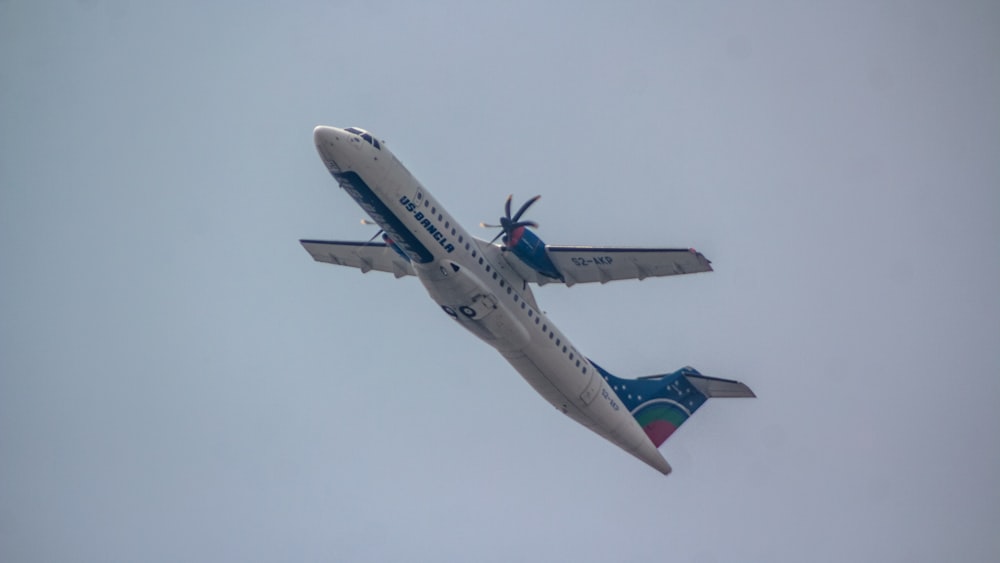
<point x="179" y="381"/>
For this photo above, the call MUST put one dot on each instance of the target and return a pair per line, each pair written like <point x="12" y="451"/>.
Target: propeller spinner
<point x="511" y="225"/>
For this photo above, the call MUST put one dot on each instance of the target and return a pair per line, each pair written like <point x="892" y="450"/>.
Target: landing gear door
<point x="479" y="306"/>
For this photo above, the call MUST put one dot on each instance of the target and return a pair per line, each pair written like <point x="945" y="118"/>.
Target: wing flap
<point x="366" y="256"/>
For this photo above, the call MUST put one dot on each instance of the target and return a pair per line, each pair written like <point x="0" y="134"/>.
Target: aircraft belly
<point x="585" y="398"/>
<point x="567" y="389"/>
<point x="473" y="305"/>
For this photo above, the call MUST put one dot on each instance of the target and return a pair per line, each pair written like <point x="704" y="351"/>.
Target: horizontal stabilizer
<point x="716" y="387"/>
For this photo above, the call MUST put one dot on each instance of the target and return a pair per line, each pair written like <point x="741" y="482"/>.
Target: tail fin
<point x="661" y="403"/>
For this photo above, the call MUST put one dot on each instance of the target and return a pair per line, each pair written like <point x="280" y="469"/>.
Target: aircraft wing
<point x="365" y="256"/>
<point x="587" y="264"/>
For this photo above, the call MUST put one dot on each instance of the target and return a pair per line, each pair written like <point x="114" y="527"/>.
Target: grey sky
<point x="179" y="381"/>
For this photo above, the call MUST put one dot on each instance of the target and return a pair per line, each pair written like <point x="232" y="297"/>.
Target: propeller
<point x="509" y="224"/>
<point x="380" y="231"/>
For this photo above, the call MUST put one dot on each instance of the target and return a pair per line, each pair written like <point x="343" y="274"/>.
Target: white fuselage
<point x="473" y="283"/>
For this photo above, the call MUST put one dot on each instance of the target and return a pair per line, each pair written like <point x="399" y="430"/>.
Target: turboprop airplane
<point x="485" y="288"/>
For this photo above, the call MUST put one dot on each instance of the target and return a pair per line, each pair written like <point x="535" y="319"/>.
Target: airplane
<point x="484" y="287"/>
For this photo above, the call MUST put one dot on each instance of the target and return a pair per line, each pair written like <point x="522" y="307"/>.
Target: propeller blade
<point x="509" y="223"/>
<point x="531" y="224"/>
<point x="524" y="208"/>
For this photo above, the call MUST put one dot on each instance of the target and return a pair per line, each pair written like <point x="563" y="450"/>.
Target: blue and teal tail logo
<point x="660" y="404"/>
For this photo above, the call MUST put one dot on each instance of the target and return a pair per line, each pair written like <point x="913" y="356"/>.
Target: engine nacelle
<point x="395" y="247"/>
<point x="531" y="250"/>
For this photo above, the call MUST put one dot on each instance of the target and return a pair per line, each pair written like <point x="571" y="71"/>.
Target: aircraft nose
<point x="327" y="141"/>
<point x="325" y="135"/>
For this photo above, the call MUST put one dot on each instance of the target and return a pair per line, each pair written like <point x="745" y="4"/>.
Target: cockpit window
<point x="366" y="136"/>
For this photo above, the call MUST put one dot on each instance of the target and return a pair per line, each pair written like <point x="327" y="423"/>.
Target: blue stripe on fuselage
<point x="380" y="212"/>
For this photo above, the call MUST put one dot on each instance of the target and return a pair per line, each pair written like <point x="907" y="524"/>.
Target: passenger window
<point x="480" y="260"/>
<point x="545" y="328"/>
<point x="578" y="363"/>
<point x="420" y="196"/>
<point x="557" y="342"/>
<point x="501" y="285"/>
<point x="584" y="370"/>
<point x="434" y="210"/>
<point x="446" y="225"/>
<point x="516" y="298"/>
<point x="488" y="269"/>
<point x="571" y="355"/>
<point x="508" y="290"/>
<point x="494" y="275"/>
<point x="564" y="349"/>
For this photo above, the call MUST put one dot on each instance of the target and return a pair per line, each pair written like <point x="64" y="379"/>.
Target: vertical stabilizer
<point x="662" y="403"/>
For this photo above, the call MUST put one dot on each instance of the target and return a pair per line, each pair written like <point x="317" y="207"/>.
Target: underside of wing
<point x="587" y="264"/>
<point x="365" y="256"/>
